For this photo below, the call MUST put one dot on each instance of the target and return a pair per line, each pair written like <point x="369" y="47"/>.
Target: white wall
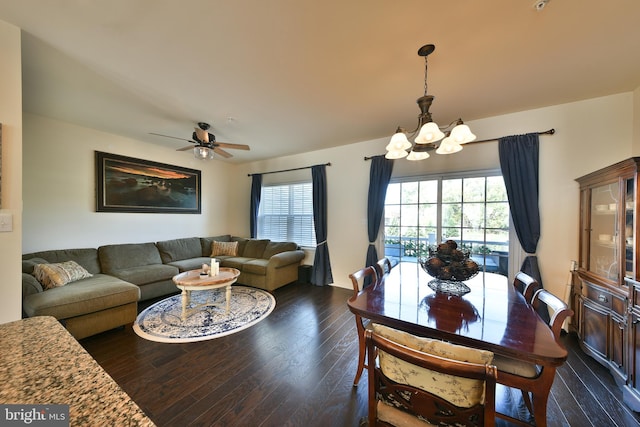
<point x="60" y="182"/>
<point x="11" y="181"/>
<point x="589" y="135"/>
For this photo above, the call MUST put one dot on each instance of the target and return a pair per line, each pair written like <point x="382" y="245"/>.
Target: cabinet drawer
<point x="635" y="292"/>
<point x="597" y="295"/>
<point x="619" y="305"/>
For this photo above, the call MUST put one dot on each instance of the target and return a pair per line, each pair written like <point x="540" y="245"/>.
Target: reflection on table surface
<point x="492" y="315"/>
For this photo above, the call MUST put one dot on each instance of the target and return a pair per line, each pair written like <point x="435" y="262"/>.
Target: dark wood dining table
<point x="492" y="316"/>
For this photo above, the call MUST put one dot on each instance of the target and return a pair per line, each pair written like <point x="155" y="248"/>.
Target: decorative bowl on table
<point x="449" y="266"/>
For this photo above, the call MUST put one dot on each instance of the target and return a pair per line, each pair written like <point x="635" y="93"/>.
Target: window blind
<point x="286" y="214"/>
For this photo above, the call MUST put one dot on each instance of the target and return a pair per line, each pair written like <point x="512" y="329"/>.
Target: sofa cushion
<point x="179" y="249"/>
<point x="205" y="242"/>
<point x="145" y="274"/>
<point x="29" y="264"/>
<point x="242" y="242"/>
<point x="88" y="295"/>
<point x="224" y="248"/>
<point x="30" y="285"/>
<point x="59" y="274"/>
<point x="122" y="256"/>
<point x="274" y="248"/>
<point x="254" y="248"/>
<point x="86" y="257"/>
<point x="234" y="262"/>
<point x="191" y="263"/>
<point x="256" y="266"/>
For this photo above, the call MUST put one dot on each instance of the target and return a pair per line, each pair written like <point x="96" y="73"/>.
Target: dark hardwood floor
<point x="296" y="368"/>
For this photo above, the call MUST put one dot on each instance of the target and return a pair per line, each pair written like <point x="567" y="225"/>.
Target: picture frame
<point x="127" y="184"/>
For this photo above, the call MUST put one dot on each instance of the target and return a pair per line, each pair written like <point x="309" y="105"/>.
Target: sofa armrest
<point x="30" y="285"/>
<point x="285" y="258"/>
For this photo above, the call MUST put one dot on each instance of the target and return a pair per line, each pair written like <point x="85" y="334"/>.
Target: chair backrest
<point x="383" y="266"/>
<point x="417" y="401"/>
<point x="526" y="284"/>
<point x="363" y="278"/>
<point x="558" y="307"/>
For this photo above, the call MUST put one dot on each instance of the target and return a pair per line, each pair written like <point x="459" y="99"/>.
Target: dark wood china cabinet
<point x="606" y="286"/>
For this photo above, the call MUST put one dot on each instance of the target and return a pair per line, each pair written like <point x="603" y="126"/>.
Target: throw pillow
<point x="462" y="392"/>
<point x="55" y="275"/>
<point x="224" y="248"/>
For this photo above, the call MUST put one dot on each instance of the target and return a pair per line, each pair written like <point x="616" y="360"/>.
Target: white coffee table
<point x="192" y="281"/>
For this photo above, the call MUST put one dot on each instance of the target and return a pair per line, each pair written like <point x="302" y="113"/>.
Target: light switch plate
<point x="6" y="222"/>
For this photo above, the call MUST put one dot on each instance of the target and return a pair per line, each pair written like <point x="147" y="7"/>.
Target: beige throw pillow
<point x="224" y="248"/>
<point x="55" y="275"/>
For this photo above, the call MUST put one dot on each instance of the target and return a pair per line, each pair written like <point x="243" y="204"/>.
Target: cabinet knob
<point x="602" y="298"/>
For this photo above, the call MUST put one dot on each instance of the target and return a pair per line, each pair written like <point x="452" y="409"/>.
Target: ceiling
<point x="291" y="76"/>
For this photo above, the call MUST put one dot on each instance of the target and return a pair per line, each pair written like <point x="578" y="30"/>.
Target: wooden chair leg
<point x="362" y="352"/>
<point x="540" y="409"/>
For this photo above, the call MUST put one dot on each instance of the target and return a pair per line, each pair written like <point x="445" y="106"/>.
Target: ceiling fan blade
<point x="188" y="147"/>
<point x="234" y="146"/>
<point x="174" y="137"/>
<point x="202" y="135"/>
<point x="221" y="152"/>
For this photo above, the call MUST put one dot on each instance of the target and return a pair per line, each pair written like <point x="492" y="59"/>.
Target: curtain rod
<point x="546" y="132"/>
<point x="287" y="170"/>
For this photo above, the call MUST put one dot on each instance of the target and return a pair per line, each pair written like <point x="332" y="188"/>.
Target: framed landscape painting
<point x="125" y="184"/>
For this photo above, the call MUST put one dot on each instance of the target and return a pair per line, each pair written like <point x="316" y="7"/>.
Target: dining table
<point x="492" y="315"/>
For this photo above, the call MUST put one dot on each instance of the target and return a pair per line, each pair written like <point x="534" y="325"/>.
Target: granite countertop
<point x="41" y="363"/>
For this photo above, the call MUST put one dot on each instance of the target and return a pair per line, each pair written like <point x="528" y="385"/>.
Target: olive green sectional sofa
<point x="118" y="276"/>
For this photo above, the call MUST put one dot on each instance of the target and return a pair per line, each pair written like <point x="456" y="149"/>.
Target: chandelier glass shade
<point x="428" y="135"/>
<point x="203" y="153"/>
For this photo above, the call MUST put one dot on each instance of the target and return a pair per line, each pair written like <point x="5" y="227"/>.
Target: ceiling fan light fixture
<point x="203" y="153"/>
<point x="205" y="143"/>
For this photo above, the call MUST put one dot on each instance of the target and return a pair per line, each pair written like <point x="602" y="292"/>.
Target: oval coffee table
<point x="192" y="281"/>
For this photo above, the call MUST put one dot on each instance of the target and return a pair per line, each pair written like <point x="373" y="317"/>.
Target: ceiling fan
<point x="205" y="143"/>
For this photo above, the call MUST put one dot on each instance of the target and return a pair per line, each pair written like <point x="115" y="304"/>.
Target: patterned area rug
<point x="162" y="321"/>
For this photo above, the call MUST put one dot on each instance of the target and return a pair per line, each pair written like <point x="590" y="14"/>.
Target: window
<point x="286" y="214"/>
<point x="472" y="210"/>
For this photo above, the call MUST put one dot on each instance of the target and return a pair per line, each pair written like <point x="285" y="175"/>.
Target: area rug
<point x="162" y="321"/>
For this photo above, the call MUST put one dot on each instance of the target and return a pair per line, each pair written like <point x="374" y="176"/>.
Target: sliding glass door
<point x="472" y="210"/>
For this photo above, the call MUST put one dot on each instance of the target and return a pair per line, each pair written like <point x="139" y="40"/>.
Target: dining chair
<point x="425" y="382"/>
<point x="526" y="285"/>
<point x="360" y="279"/>
<point x="534" y="381"/>
<point x="383" y="266"/>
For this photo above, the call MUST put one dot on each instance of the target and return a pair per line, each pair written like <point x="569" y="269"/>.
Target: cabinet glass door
<point x="603" y="241"/>
<point x="629" y="218"/>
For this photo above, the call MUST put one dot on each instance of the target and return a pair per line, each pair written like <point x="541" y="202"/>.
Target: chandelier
<point x="428" y="135"/>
